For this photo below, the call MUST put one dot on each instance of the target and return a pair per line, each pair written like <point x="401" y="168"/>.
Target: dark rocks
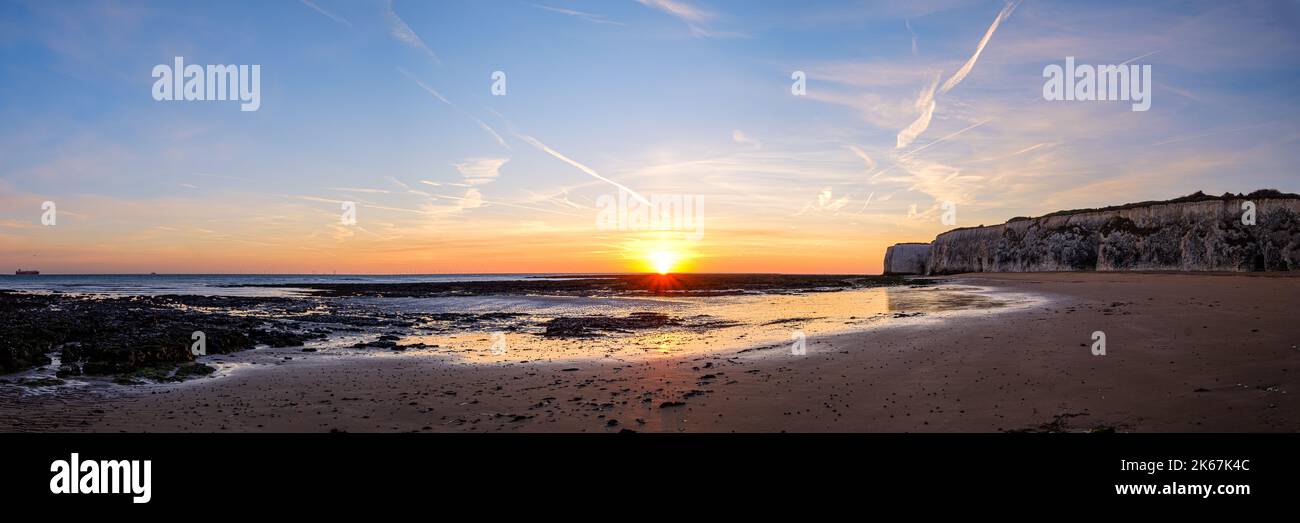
<point x="39" y="382"/>
<point x="109" y="336"/>
<point x="15" y="355"/>
<point x="377" y="344"/>
<point x="586" y="326"/>
<point x="280" y="338"/>
<point x="190" y="370"/>
<point x="164" y="373"/>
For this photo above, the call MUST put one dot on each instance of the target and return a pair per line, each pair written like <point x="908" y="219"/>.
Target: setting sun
<point x="663" y="261"/>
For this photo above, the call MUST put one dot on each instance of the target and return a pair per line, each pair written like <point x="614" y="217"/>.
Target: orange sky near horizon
<point x="81" y="245"/>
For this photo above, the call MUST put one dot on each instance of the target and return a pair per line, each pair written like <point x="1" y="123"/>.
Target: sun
<point x="663" y="261"/>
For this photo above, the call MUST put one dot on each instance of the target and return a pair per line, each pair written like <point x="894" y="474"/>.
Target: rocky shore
<point x="137" y="339"/>
<point x="129" y="337"/>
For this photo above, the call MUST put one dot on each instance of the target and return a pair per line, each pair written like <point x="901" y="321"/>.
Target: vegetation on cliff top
<point x="1190" y="198"/>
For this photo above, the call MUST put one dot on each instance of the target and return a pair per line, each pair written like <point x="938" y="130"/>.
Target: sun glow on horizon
<point x="663" y="261"/>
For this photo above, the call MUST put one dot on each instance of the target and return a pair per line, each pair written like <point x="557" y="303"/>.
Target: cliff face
<point x="1205" y="235"/>
<point x="907" y="258"/>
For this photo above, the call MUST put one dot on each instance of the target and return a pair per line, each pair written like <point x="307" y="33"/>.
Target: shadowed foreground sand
<point x="1185" y="352"/>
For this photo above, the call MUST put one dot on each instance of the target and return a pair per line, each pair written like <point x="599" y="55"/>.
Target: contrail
<point x="486" y="202"/>
<point x="960" y="75"/>
<point x="544" y="148"/>
<point x="953" y="135"/>
<point x="483" y="125"/>
<point x="1126" y="62"/>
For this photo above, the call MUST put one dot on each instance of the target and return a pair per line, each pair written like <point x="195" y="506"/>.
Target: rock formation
<point x="907" y="258"/>
<point x="1192" y="233"/>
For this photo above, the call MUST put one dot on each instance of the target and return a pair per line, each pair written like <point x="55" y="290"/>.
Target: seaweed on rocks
<point x="585" y="326"/>
<point x="96" y="335"/>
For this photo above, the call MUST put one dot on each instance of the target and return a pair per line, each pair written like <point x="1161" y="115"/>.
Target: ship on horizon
<point x="21" y="272"/>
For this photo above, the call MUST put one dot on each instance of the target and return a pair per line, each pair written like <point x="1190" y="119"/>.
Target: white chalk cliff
<point x="1193" y="233"/>
<point x="907" y="258"/>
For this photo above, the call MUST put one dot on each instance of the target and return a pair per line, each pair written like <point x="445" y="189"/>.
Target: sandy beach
<point x="1185" y="353"/>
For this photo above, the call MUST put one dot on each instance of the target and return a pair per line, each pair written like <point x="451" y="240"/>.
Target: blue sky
<point x="673" y="97"/>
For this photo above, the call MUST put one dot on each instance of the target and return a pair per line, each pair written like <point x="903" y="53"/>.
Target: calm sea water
<point x="218" y="284"/>
<point x="703" y="324"/>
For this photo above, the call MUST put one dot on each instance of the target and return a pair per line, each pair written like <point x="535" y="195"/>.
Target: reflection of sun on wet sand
<point x="693" y="326"/>
<point x="1185" y="353"/>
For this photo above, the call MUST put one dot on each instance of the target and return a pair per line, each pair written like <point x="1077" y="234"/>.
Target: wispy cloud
<point x="694" y="17"/>
<point x="908" y="24"/>
<point x="1209" y="134"/>
<point x="825" y="203"/>
<point x="739" y="136"/>
<point x="473" y="199"/>
<point x="487" y="128"/>
<point x="965" y="69"/>
<point x="321" y="10"/>
<point x="592" y="172"/>
<point x="221" y="176"/>
<point x="424" y="86"/>
<point x="590" y="17"/>
<point x="403" y="33"/>
<point x="942" y="182"/>
<point x="559" y="197"/>
<point x="871" y="164"/>
<point x="926" y="101"/>
<point x="358" y="189"/>
<point x="925" y="104"/>
<point x="482" y="125"/>
<point x="443" y="184"/>
<point x="479" y="171"/>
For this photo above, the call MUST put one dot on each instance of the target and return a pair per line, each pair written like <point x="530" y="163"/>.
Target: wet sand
<point x="1185" y="353"/>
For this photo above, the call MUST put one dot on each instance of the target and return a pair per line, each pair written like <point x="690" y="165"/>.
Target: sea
<point x="219" y="284"/>
<point x="708" y="323"/>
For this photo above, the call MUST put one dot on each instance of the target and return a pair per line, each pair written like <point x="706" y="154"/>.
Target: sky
<point x="390" y="105"/>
